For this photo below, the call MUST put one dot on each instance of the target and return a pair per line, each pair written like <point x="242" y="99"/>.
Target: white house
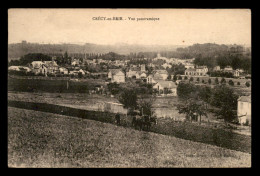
<point x="63" y="70"/>
<point x="244" y="109"/>
<point x="188" y="65"/>
<point x="228" y="68"/>
<point x="165" y="65"/>
<point x="150" y="79"/>
<point x="160" y="74"/>
<point x="16" y="68"/>
<point x="116" y="75"/>
<point x="198" y="71"/>
<point x="217" y="68"/>
<point x="52" y="66"/>
<point x="38" y="67"/>
<point x="75" y="62"/>
<point x="165" y="86"/>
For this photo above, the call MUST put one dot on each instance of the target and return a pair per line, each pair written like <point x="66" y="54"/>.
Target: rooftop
<point x="245" y="99"/>
<point x="167" y="84"/>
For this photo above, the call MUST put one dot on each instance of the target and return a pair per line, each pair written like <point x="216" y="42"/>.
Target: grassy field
<point x="206" y="132"/>
<point x="52" y="85"/>
<point x="39" y="139"/>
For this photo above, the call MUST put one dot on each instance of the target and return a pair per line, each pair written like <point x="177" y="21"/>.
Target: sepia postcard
<point x="129" y="88"/>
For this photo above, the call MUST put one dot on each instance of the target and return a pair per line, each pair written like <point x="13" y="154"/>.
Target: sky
<point x="174" y="27"/>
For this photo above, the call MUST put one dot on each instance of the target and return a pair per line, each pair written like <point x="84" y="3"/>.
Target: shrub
<point x="231" y="83"/>
<point x="216" y="81"/>
<point x="223" y="81"/>
<point x="247" y="84"/>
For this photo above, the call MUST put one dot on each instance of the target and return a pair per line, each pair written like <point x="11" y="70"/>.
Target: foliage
<point x="184" y="90"/>
<point x="128" y="98"/>
<point x="231" y="83"/>
<point x="192" y="109"/>
<point x="113" y="88"/>
<point x="174" y="77"/>
<point x="247" y="84"/>
<point x="220" y="74"/>
<point x="145" y="106"/>
<point x="28" y="58"/>
<point x="216" y="81"/>
<point x="223" y="81"/>
<point x="226" y="100"/>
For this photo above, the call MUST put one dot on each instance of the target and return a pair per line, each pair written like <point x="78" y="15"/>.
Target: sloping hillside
<point x="17" y="50"/>
<point x="38" y="139"/>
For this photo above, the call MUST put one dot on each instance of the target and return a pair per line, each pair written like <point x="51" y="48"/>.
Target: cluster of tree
<point x="28" y="58"/>
<point x="111" y="56"/>
<point x="221" y="97"/>
<point x="235" y="56"/>
<point x="129" y="99"/>
<point x="176" y="69"/>
<point x="137" y="61"/>
<point x="142" y="55"/>
<point x="192" y="109"/>
<point x="220" y="74"/>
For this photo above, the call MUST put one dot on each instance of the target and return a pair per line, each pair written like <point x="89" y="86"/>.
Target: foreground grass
<point x="38" y="139"/>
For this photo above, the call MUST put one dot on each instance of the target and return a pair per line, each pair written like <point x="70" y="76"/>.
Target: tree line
<point x="199" y="98"/>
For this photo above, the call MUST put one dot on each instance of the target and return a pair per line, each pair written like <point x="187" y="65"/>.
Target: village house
<point x="63" y="70"/>
<point x="52" y="66"/>
<point x="38" y="67"/>
<point x="137" y="72"/>
<point x="244" y="109"/>
<point x="165" y="65"/>
<point x="198" y="71"/>
<point x="217" y="68"/>
<point x="160" y="74"/>
<point x="188" y="65"/>
<point x="229" y="69"/>
<point x="75" y="62"/>
<point x="76" y="71"/>
<point x="16" y="68"/>
<point x="166" y="88"/>
<point x="116" y="75"/>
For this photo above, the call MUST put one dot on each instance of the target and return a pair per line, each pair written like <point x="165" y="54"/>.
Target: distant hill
<point x="17" y="50"/>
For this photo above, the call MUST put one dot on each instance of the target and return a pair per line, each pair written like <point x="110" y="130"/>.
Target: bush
<point x="247" y="84"/>
<point x="216" y="81"/>
<point x="223" y="81"/>
<point x="231" y="83"/>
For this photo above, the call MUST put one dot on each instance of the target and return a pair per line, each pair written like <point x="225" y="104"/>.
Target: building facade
<point x="116" y="75"/>
<point x="244" y="110"/>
